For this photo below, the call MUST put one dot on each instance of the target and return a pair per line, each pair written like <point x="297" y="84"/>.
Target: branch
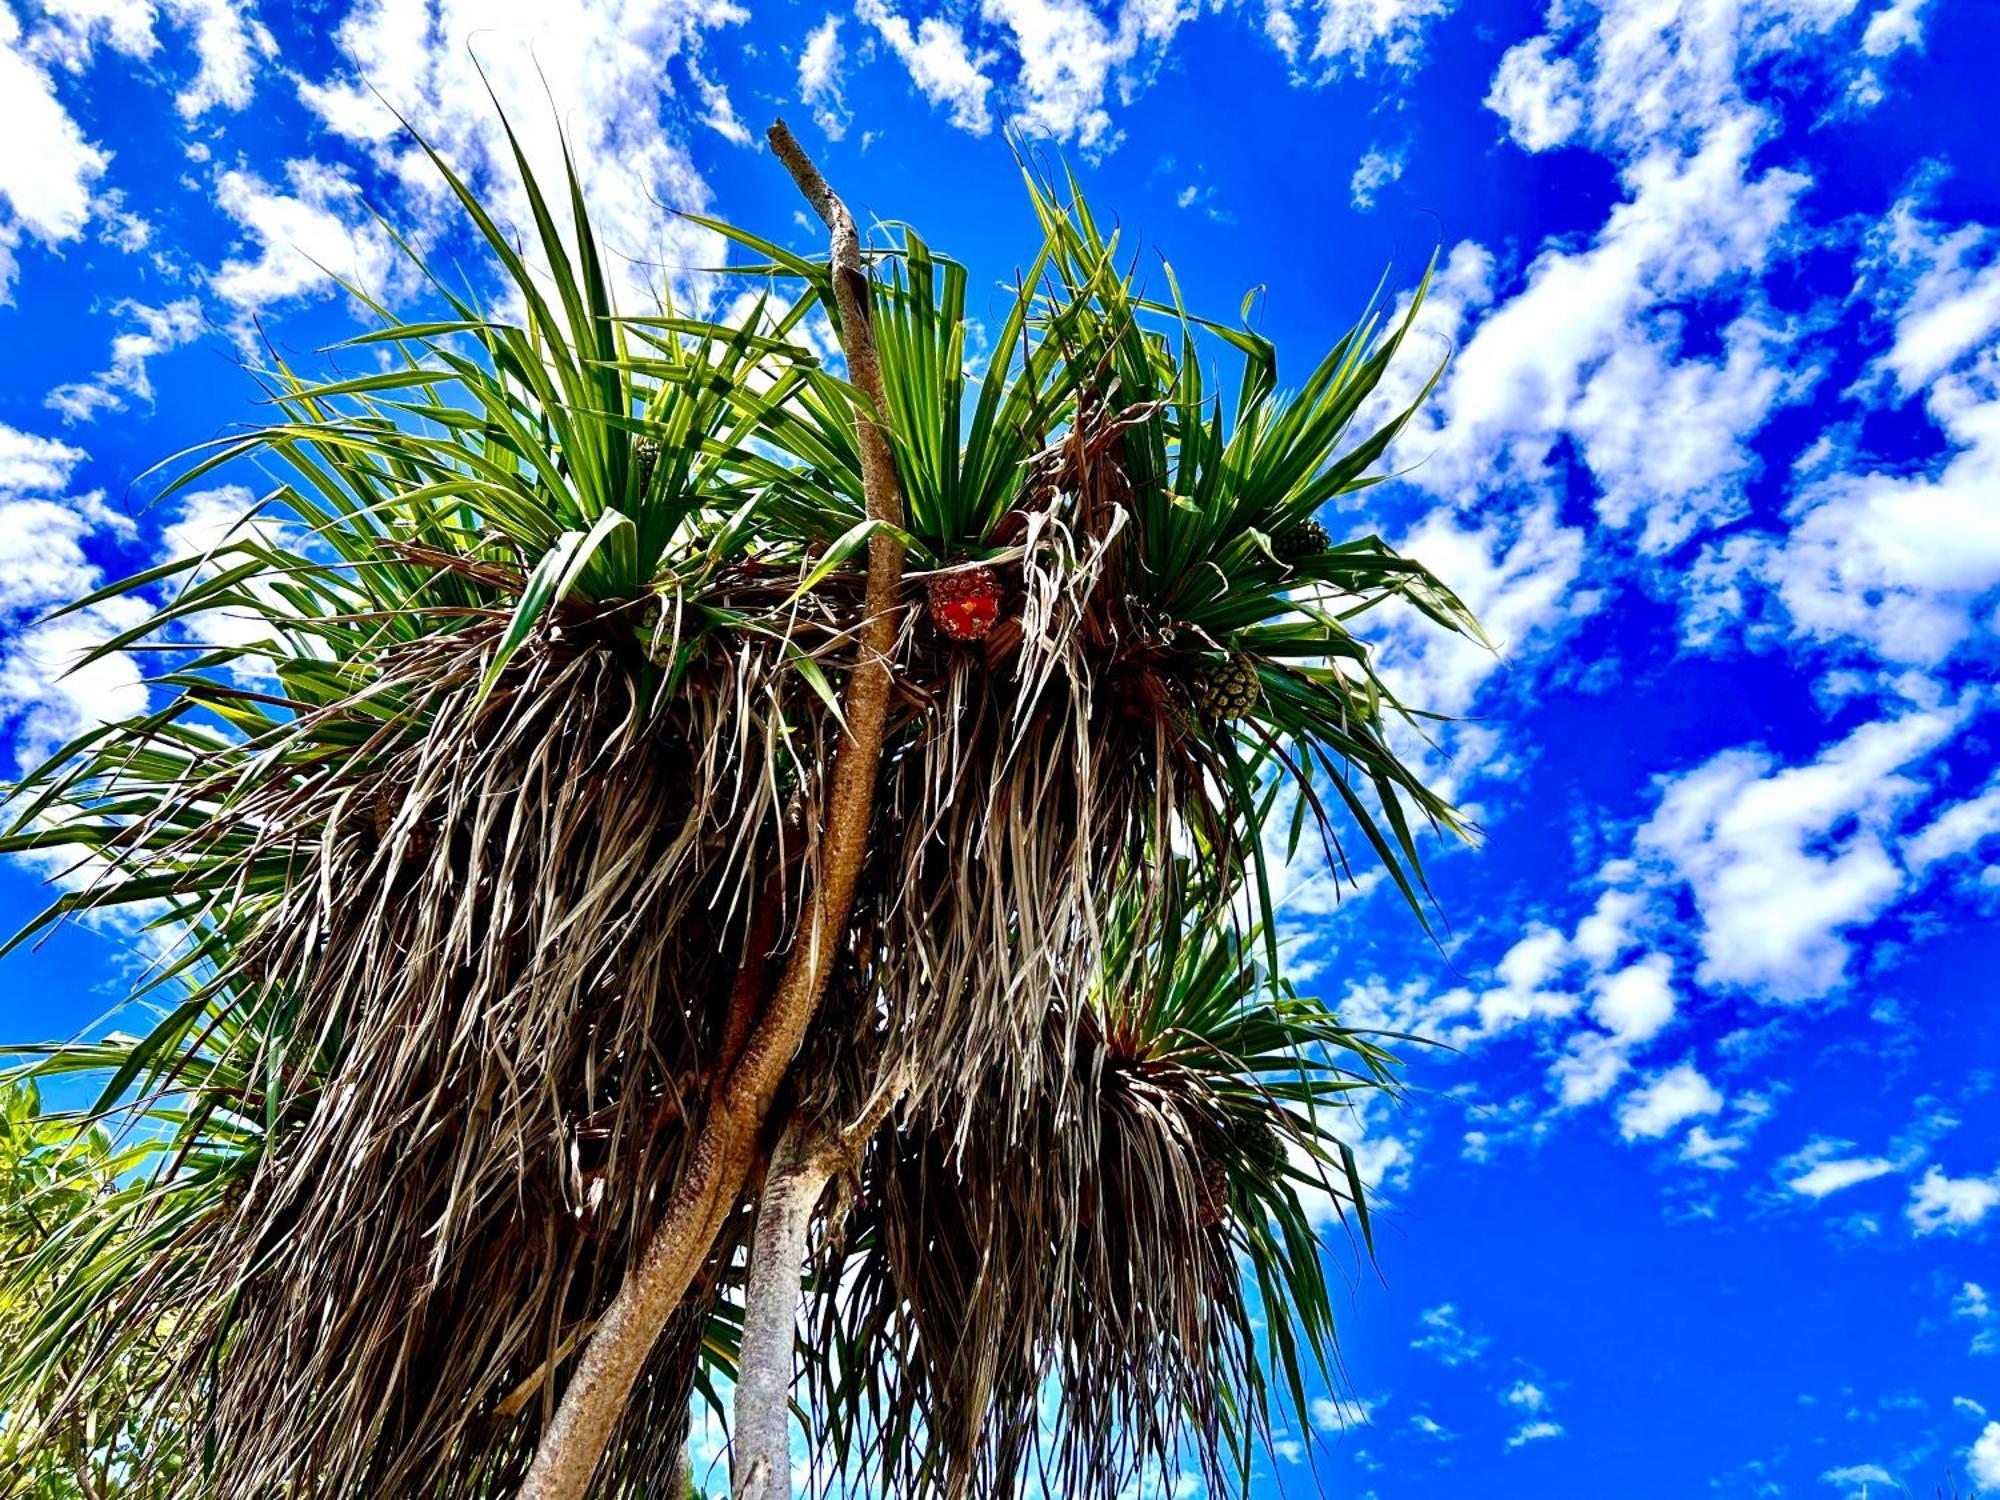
<point x="718" y="1165"/>
<point x="805" y="1160"/>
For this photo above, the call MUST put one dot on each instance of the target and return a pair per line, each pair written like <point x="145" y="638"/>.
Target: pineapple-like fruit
<point x="1213" y="1205"/>
<point x="965" y="603"/>
<point x="654" y="639"/>
<point x="1305" y="538"/>
<point x="1228" y="689"/>
<point x="1262" y="1147"/>
<point x="645" y="454"/>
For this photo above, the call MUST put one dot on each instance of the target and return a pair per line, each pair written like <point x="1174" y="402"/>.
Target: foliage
<point x="484" y="791"/>
<point x="59" y="1184"/>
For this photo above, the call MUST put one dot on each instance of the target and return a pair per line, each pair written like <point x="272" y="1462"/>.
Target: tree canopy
<point x="488" y="814"/>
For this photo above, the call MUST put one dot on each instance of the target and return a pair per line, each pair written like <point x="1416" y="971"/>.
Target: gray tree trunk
<point x="761" y="1458"/>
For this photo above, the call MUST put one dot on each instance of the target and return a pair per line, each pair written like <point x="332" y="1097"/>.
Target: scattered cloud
<point x="821" y="61"/>
<point x="1446" y="1339"/>
<point x="1377" y="170"/>
<point x="943" y="67"/>
<point x="1782" y="861"/>
<point x="46" y="696"/>
<point x="1329" y="39"/>
<point x="1982" y="1461"/>
<point x="1331" y="1414"/>
<point x="48" y="168"/>
<point x="1854" y="1479"/>
<point x="613" y="64"/>
<point x="1970" y="1304"/>
<point x="299" y="235"/>
<point x="1538" y="92"/>
<point x="1665" y="1101"/>
<point x="231" y="46"/>
<point x="1533" y="1432"/>
<point x="1905" y="564"/>
<point x="1957" y="829"/>
<point x="1821" y="1170"/>
<point x="1590" y="355"/>
<point x="1057" y="68"/>
<point x="1516" y="570"/>
<point x="1951" y="1204"/>
<point x="1537" y="1423"/>
<point x="151" y="331"/>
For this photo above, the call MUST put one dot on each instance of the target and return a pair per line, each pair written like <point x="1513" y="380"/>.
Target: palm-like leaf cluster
<point x="485" y="829"/>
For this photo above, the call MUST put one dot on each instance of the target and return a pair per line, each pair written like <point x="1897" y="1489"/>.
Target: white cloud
<point x="1058" y="67"/>
<point x="1636" y="1002"/>
<point x="1906" y="564"/>
<point x="1942" y="288"/>
<point x="1516" y="572"/>
<point x="1590" y="337"/>
<point x="32" y="465"/>
<point x="1633" y="1005"/>
<point x="1951" y="1204"/>
<point x="1781" y="861"/>
<point x="942" y="66"/>
<point x="1377" y="170"/>
<point x="1666" y="1100"/>
<point x="1855" y="1479"/>
<point x="47" y="168"/>
<point x="45" y="697"/>
<point x="1538" y="92"/>
<point x="1067" y="57"/>
<point x="1666" y="435"/>
<point x="1338" y="1415"/>
<point x="1820" y="1170"/>
<point x="1589" y="1068"/>
<point x="1611" y="927"/>
<point x="152" y="331"/>
<point x="1957" y="829"/>
<point x="300" y="236"/>
<point x="1446" y="1338"/>
<point x="602" y="71"/>
<point x="1525" y="994"/>
<point x="820" y="63"/>
<point x="1971" y="1304"/>
<point x="77" y="26"/>
<point x="1895" y="26"/>
<point x="46" y="692"/>
<point x="1704" y="1148"/>
<point x="1526" y="1395"/>
<point x="1350" y="36"/>
<point x="204" y="520"/>
<point x="42" y="561"/>
<point x="1656" y="74"/>
<point x="1982" y="1461"/>
<point x="1533" y="1432"/>
<point x="231" y="45"/>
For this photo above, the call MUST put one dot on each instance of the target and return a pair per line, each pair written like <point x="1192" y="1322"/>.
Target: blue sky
<point x="1705" y="1201"/>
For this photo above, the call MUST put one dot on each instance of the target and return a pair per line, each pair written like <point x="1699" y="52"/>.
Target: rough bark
<point x="726" y="1145"/>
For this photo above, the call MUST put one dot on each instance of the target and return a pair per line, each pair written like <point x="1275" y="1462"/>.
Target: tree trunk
<point x="761" y="1456"/>
<point x="611" y="1362"/>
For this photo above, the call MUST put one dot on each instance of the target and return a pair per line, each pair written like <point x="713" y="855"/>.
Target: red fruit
<point x="965" y="603"/>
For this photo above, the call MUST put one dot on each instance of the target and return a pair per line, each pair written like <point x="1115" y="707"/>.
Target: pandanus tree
<point x="692" y="859"/>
